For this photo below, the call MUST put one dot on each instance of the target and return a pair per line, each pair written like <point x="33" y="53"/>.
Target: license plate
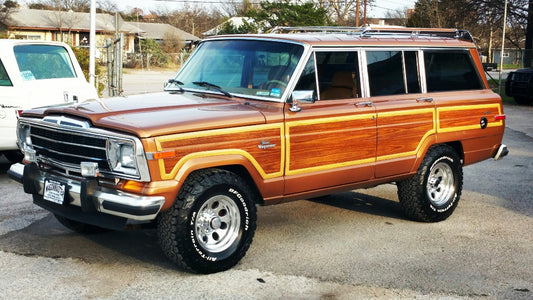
<point x="54" y="191"/>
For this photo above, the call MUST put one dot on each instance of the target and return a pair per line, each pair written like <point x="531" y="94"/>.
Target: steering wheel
<point x="274" y="83"/>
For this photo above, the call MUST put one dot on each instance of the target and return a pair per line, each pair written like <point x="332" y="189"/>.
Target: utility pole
<point x="364" y="20"/>
<point x="92" y="43"/>
<point x="357" y="13"/>
<point x="503" y="47"/>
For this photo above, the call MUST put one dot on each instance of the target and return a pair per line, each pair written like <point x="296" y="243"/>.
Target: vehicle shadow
<point x="48" y="238"/>
<point x="4" y="166"/>
<point x="363" y="203"/>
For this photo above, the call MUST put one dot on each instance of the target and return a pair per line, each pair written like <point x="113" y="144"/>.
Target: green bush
<point x="82" y="55"/>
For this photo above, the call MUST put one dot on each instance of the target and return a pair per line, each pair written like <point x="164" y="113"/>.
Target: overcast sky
<point x="379" y="10"/>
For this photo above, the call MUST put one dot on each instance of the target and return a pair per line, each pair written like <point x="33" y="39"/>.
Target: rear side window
<point x="450" y="71"/>
<point x="4" y="78"/>
<point x="393" y="72"/>
<point x="43" y="62"/>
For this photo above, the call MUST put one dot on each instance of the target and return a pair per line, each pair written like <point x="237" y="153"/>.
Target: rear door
<point x="405" y="116"/>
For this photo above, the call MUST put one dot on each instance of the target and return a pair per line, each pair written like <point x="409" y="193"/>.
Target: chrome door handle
<point x="364" y="104"/>
<point x="424" y="99"/>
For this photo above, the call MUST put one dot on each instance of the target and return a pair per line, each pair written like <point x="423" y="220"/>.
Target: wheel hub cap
<point x="441" y="184"/>
<point x="217" y="224"/>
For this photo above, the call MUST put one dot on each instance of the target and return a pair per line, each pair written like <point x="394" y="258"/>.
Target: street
<point x="351" y="245"/>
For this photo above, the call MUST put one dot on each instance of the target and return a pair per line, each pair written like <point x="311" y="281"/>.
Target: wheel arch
<point x="237" y="164"/>
<point x="457" y="146"/>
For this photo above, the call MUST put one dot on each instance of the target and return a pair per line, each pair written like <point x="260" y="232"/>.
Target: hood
<point x="150" y="115"/>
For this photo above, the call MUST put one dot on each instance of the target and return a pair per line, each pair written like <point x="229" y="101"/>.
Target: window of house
<point x="393" y="72"/>
<point x="450" y="71"/>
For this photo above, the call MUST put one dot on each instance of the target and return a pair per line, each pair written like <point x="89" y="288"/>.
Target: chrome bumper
<point x="90" y="196"/>
<point x="501" y="153"/>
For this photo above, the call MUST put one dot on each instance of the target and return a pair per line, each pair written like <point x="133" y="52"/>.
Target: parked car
<point x="35" y="74"/>
<point x="519" y="85"/>
<point x="263" y="119"/>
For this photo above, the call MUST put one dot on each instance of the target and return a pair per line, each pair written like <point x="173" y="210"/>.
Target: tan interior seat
<point x="342" y="87"/>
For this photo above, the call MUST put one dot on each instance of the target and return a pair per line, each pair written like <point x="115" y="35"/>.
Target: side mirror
<point x="301" y="96"/>
<point x="304" y="96"/>
<point x="173" y="85"/>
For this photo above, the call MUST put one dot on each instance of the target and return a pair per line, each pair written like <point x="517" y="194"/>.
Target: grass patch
<point x="493" y="84"/>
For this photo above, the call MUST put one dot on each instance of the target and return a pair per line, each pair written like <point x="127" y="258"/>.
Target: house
<point x="511" y="56"/>
<point x="160" y="32"/>
<point x="69" y="27"/>
<point x="73" y="28"/>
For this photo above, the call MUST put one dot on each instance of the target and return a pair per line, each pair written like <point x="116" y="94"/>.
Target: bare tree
<point x="67" y="5"/>
<point x="397" y="16"/>
<point x="6" y="7"/>
<point x="344" y="12"/>
<point x="107" y="6"/>
<point x="235" y="8"/>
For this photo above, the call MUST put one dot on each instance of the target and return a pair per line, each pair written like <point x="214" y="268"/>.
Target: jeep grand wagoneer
<point x="262" y="119"/>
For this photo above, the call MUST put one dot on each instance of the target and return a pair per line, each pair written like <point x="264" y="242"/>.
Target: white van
<point x="35" y="74"/>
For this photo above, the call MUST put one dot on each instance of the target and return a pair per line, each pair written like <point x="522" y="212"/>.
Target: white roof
<point x="66" y="20"/>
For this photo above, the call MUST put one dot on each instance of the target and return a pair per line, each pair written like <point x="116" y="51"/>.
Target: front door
<point x="331" y="142"/>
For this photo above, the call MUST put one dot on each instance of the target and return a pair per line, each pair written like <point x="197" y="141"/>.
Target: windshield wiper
<point x="173" y="85"/>
<point x="214" y="86"/>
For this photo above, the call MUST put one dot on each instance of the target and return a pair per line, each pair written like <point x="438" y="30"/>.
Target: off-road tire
<point x="434" y="201"/>
<point x="211" y="224"/>
<point x="80" y="227"/>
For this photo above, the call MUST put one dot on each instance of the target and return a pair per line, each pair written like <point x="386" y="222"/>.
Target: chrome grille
<point x="69" y="149"/>
<point x="60" y="144"/>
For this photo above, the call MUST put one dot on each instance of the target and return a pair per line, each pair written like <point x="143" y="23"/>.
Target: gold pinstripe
<point x="285" y="142"/>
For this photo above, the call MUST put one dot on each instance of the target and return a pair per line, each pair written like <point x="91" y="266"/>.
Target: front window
<point x="38" y="62"/>
<point x="241" y="67"/>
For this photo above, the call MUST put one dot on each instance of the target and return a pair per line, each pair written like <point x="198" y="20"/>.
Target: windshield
<point x="241" y="67"/>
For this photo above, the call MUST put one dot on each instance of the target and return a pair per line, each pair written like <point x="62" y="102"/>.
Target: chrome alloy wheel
<point x="217" y="224"/>
<point x="440" y="186"/>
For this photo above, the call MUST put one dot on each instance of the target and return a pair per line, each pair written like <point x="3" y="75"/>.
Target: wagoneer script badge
<point x="266" y="145"/>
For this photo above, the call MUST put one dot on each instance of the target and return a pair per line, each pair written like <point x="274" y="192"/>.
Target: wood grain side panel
<point x="330" y="143"/>
<point x="262" y="145"/>
<point x="456" y="118"/>
<point x="401" y="133"/>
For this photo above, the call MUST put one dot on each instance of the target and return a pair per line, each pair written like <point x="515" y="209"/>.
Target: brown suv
<point x="263" y="119"/>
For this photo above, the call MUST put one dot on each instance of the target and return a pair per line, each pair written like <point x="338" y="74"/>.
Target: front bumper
<point x="87" y="196"/>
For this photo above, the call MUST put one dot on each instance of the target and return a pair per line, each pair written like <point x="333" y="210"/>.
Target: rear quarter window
<point x="450" y="71"/>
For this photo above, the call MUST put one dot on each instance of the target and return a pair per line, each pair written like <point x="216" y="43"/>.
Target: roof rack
<point x="417" y="32"/>
<point x="380" y="31"/>
<point x="324" y="29"/>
